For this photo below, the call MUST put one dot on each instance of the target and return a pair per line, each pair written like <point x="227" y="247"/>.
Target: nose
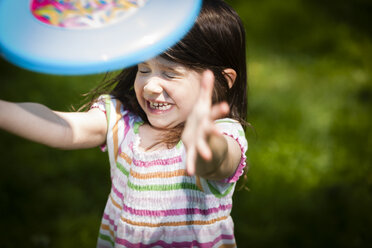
<point x="153" y="87"/>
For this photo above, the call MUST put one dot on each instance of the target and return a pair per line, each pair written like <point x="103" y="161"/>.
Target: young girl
<point x="174" y="162"/>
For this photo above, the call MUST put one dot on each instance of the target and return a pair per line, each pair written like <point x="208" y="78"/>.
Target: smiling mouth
<point x="159" y="105"/>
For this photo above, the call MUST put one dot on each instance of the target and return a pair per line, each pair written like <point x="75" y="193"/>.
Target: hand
<point x="200" y="124"/>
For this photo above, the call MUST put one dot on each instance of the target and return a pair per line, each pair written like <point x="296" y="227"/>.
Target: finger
<point x="204" y="150"/>
<point x="190" y="161"/>
<point x="219" y="110"/>
<point x="215" y="130"/>
<point x="206" y="86"/>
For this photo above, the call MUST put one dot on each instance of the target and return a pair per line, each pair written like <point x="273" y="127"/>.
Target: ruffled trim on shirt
<point x="152" y="155"/>
<point x="240" y="169"/>
<point x="100" y="104"/>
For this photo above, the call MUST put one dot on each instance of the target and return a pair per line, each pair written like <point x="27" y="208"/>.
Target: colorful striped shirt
<point x="153" y="202"/>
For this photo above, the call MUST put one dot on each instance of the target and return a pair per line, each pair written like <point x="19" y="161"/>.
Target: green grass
<point x="311" y="144"/>
<point x="310" y="175"/>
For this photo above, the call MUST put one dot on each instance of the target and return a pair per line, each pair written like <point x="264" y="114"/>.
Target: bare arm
<point x="56" y="129"/>
<point x="210" y="154"/>
<point x="224" y="161"/>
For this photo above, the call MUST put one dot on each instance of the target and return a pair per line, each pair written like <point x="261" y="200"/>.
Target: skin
<point x="52" y="128"/>
<point x="167" y="84"/>
<point x="209" y="153"/>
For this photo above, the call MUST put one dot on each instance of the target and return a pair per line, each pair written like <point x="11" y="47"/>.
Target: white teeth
<point x="160" y="106"/>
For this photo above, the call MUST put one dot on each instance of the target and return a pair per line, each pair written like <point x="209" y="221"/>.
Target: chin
<point x="158" y="124"/>
<point x="161" y="124"/>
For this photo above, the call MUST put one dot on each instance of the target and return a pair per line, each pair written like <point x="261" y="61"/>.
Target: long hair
<point x="216" y="42"/>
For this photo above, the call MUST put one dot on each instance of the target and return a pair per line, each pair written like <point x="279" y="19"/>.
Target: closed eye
<point x="143" y="68"/>
<point x="171" y="75"/>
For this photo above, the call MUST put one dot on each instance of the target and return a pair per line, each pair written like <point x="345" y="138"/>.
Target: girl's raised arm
<point x="56" y="129"/>
<point x="209" y="153"/>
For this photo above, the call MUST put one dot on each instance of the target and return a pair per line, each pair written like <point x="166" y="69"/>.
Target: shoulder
<point x="234" y="130"/>
<point x="113" y="108"/>
<point x="231" y="127"/>
<point x="106" y="102"/>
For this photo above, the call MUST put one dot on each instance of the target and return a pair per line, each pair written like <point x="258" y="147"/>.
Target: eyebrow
<point x="169" y="66"/>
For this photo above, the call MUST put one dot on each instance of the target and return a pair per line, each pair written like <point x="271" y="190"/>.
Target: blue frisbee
<point x="75" y="37"/>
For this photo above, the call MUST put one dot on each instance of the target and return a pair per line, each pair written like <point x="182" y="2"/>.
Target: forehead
<point x="164" y="63"/>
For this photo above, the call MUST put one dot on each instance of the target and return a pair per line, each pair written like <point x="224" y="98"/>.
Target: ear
<point x="230" y="75"/>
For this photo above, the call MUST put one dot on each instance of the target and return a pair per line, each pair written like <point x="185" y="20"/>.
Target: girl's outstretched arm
<point x="210" y="154"/>
<point x="56" y="129"/>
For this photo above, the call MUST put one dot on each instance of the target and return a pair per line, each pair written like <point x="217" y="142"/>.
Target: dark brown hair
<point x="216" y="42"/>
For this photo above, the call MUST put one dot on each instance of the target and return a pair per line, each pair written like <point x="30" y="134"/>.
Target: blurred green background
<point x="310" y="154"/>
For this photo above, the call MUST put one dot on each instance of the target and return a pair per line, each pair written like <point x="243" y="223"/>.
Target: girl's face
<point x="166" y="91"/>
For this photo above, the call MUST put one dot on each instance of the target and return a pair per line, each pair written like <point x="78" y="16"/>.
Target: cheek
<point x="136" y="85"/>
<point x="138" y="90"/>
<point x="187" y="99"/>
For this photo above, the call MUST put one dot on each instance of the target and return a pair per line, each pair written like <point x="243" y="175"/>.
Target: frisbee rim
<point x="71" y="67"/>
